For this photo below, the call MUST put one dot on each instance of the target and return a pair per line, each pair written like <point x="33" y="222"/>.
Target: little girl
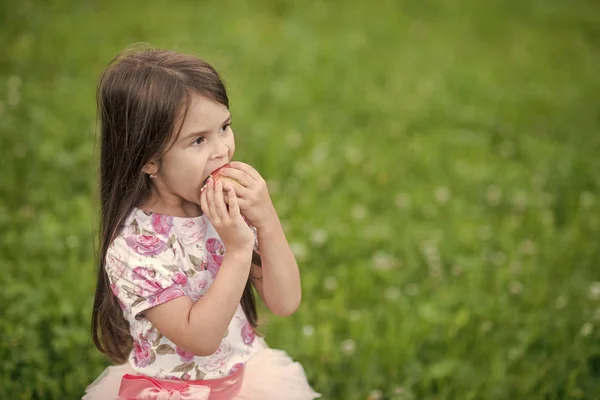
<point x="179" y="253"/>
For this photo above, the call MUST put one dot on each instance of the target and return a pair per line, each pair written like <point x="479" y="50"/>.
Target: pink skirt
<point x="269" y="375"/>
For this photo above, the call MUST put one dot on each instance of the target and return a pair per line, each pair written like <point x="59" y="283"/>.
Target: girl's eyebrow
<point x="205" y="131"/>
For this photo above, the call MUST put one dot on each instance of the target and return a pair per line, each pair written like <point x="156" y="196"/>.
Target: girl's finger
<point x="234" y="208"/>
<point x="241" y="191"/>
<point x="227" y="186"/>
<point x="219" y="205"/>
<point x="248" y="169"/>
<point x="242" y="177"/>
<point x="204" y="205"/>
<point x="210" y="197"/>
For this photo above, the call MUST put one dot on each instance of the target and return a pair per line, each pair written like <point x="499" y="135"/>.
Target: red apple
<point x="217" y="176"/>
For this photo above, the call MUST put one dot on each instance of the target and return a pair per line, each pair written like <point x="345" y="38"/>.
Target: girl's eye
<point x="225" y="127"/>
<point x="199" y="140"/>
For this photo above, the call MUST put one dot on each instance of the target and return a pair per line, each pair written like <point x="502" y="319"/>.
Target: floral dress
<point x="157" y="258"/>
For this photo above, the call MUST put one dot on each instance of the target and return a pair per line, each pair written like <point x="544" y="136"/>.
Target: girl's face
<point x="204" y="144"/>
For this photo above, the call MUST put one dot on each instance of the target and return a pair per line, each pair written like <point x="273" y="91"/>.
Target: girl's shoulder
<point x="165" y="227"/>
<point x="153" y="252"/>
<point x="152" y="235"/>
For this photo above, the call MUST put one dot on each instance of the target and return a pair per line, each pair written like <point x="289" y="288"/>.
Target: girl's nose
<point x="221" y="151"/>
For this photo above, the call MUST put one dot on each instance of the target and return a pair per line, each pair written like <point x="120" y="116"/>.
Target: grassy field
<point x="436" y="165"/>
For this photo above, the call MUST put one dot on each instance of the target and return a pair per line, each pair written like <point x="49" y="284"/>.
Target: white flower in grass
<point x="484" y="232"/>
<point x="586" y="199"/>
<point x="429" y="249"/>
<point x="358" y="212"/>
<point x="20" y="149"/>
<point x="519" y="200"/>
<point x="432" y="257"/>
<point x="547" y="218"/>
<point x="435" y="270"/>
<point x="425" y="87"/>
<point x="411" y="289"/>
<point x="27" y="211"/>
<point x="383" y="261"/>
<point x="285" y="224"/>
<point x="456" y="270"/>
<point x="515" y="267"/>
<point x="595" y="291"/>
<point x="463" y="168"/>
<point x="442" y="195"/>
<point x="486" y="326"/>
<point x="274" y="186"/>
<point x="513" y="354"/>
<point x="304" y="169"/>
<point x="320" y="154"/>
<point x="293" y="139"/>
<point x="392" y="293"/>
<point x="515" y="287"/>
<point x="318" y="237"/>
<point x="354" y="315"/>
<point x="546" y="199"/>
<point x="376" y="394"/>
<point x="402" y="200"/>
<point x="353" y="155"/>
<point x="507" y="149"/>
<point x="494" y="195"/>
<point x="587" y="329"/>
<point x="324" y="182"/>
<point x="561" y="302"/>
<point x="377" y="231"/>
<point x="399" y="390"/>
<point x="538" y="181"/>
<point x="14" y="82"/>
<point x="348" y="347"/>
<point x="299" y="250"/>
<point x="308" y="330"/>
<point x="497" y="258"/>
<point x="527" y="247"/>
<point x="13" y="98"/>
<point x="330" y="283"/>
<point x="72" y="241"/>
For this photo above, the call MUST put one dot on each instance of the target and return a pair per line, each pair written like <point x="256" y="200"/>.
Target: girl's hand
<point x="229" y="224"/>
<point x="254" y="199"/>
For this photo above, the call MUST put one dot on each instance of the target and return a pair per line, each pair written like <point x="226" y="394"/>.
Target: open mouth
<point x="215" y="174"/>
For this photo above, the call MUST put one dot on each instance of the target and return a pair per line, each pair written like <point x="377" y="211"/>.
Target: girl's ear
<point x="151" y="168"/>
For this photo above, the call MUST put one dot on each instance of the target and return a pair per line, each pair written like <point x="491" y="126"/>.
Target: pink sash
<point x="141" y="387"/>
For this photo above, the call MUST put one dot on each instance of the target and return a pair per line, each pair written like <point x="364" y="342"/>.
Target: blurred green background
<point x="436" y="165"/>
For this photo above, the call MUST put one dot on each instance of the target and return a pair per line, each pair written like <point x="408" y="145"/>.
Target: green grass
<point x="436" y="165"/>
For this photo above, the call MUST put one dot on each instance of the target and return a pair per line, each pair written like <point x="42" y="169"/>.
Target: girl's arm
<point x="278" y="281"/>
<point x="199" y="327"/>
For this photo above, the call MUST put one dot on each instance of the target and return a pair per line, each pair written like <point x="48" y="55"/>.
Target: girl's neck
<point x="175" y="207"/>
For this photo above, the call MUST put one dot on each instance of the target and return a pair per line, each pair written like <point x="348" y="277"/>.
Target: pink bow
<point x="140" y="387"/>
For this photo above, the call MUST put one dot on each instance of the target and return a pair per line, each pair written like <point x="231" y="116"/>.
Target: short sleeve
<point x="143" y="272"/>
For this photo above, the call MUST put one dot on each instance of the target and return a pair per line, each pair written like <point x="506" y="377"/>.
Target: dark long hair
<point x="142" y="95"/>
